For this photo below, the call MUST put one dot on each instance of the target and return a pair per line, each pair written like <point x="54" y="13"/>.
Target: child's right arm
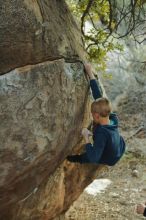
<point x="95" y="87"/>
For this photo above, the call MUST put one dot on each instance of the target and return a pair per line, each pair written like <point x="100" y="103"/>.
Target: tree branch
<point x="90" y="2"/>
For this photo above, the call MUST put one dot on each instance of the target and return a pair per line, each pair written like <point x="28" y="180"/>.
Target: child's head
<point x="101" y="109"/>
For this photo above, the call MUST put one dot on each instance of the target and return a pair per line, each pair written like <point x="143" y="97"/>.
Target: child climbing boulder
<point x="108" y="145"/>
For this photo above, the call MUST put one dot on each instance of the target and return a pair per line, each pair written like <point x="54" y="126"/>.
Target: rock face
<point x="35" y="31"/>
<point x="43" y="106"/>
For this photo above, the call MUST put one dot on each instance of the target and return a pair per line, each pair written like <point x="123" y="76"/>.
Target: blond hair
<point x="102" y="106"/>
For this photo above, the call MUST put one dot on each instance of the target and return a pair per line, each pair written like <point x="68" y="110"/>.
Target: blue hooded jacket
<point x="108" y="145"/>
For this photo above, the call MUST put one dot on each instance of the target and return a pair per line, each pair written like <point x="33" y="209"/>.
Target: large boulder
<point x="43" y="106"/>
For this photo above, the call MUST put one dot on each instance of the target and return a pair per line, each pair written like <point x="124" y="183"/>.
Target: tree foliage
<point x="109" y="20"/>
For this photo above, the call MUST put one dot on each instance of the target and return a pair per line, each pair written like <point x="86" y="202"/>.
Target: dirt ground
<point x="128" y="187"/>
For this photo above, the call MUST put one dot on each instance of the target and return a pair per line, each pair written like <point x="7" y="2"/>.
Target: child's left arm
<point x="93" y="152"/>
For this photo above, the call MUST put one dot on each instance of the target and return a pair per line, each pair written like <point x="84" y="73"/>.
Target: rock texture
<point x="36" y="31"/>
<point x="43" y="106"/>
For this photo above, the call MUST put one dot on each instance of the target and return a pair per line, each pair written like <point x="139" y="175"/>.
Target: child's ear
<point x="97" y="115"/>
